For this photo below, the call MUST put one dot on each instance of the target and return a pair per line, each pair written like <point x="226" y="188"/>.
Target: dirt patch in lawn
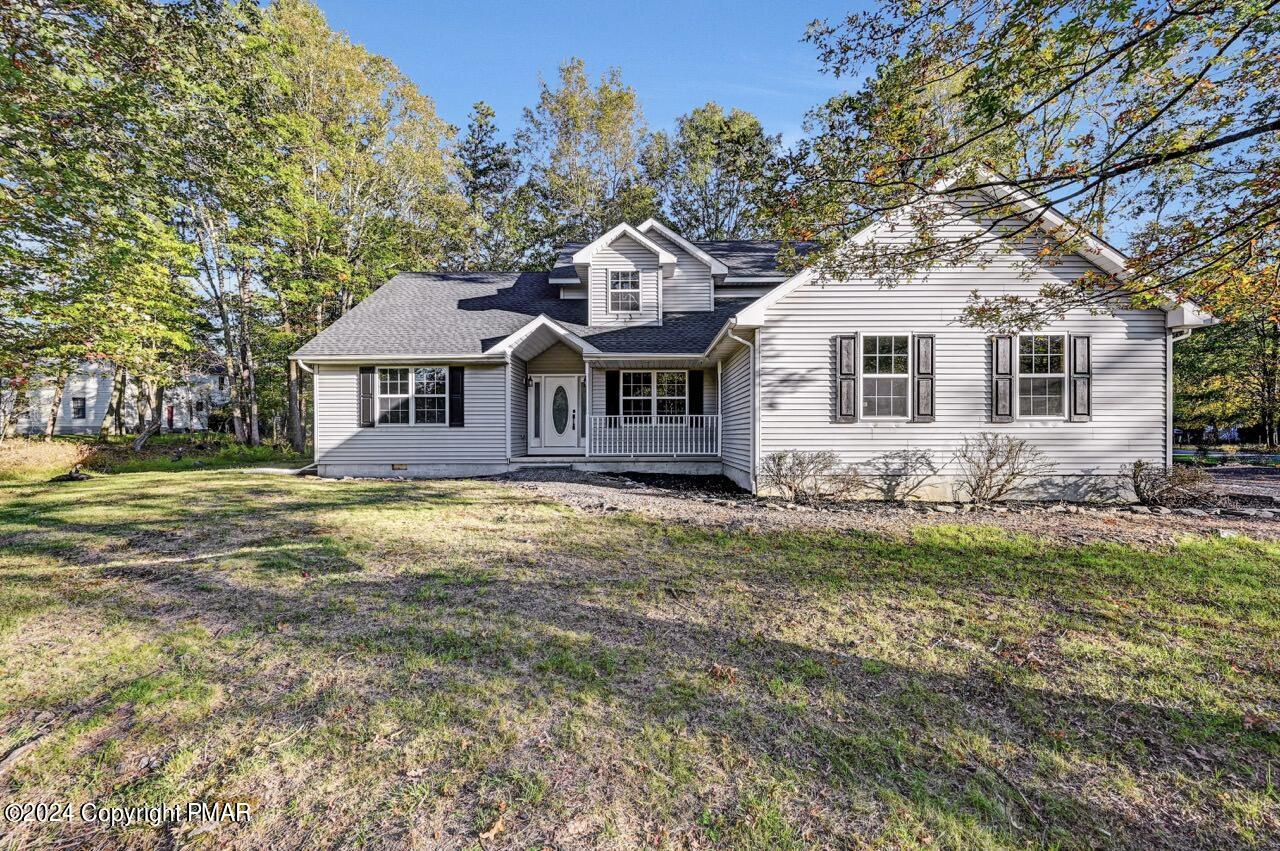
<point x="693" y="501"/>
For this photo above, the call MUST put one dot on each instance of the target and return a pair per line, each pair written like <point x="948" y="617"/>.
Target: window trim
<point x="610" y="289"/>
<point x="653" y="393"/>
<point x="378" y="396"/>
<point x="1061" y="376"/>
<point x="862" y="376"/>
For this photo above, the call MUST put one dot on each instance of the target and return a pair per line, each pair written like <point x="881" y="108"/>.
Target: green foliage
<point x="1140" y="120"/>
<point x="1228" y="375"/>
<point x="582" y="144"/>
<point x="709" y="174"/>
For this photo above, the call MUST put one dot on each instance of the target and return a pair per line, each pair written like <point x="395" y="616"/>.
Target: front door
<point x="560" y="411"/>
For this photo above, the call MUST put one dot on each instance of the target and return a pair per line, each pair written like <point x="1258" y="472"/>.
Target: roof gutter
<point x="398" y="359"/>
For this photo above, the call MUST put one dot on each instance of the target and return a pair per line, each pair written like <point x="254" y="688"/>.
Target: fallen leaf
<point x="493" y="832"/>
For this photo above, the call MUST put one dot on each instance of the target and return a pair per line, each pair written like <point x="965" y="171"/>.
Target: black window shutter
<point x="695" y="392"/>
<point x="364" y="393"/>
<point x="1081" y="379"/>
<point x="457" y="397"/>
<point x="846" y="383"/>
<point x="1002" y="379"/>
<point x="922" y="378"/>
<point x="612" y="392"/>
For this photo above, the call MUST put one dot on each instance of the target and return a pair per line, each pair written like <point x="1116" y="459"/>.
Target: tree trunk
<point x="248" y="369"/>
<point x="157" y="413"/>
<point x="119" y="403"/>
<point x="59" y="389"/>
<point x="297" y="423"/>
<point x="112" y="417"/>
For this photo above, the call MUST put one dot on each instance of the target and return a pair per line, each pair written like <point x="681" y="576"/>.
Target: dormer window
<point x="624" y="291"/>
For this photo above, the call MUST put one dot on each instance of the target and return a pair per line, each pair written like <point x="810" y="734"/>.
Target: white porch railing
<point x="658" y="435"/>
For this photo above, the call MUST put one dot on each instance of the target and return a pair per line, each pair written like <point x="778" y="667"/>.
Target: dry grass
<point x="22" y="459"/>
<point x="459" y="664"/>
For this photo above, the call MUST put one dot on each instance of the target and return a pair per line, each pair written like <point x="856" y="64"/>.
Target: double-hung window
<point x="886" y="375"/>
<point x="77" y="408"/>
<point x="637" y="394"/>
<point x="624" y="291"/>
<point x="1042" y="376"/>
<point x="662" y="394"/>
<point x="418" y="395"/>
<point x="429" y="394"/>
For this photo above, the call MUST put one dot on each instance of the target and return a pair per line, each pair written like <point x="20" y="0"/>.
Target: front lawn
<point x="465" y="664"/>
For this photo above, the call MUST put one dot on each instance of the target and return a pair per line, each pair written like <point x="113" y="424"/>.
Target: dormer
<point x="691" y="285"/>
<point x="624" y="271"/>
<point x="635" y="275"/>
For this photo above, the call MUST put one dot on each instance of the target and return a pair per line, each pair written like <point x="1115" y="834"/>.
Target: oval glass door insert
<point x="560" y="410"/>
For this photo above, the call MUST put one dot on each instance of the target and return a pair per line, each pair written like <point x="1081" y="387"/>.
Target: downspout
<point x="315" y="396"/>
<point x="755" y="413"/>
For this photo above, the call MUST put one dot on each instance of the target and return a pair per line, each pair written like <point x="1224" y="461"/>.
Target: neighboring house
<point x="643" y="351"/>
<point x="86" y="399"/>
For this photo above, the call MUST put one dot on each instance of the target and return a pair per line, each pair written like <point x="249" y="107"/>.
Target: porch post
<point x="590" y="425"/>
<point x="719" y="406"/>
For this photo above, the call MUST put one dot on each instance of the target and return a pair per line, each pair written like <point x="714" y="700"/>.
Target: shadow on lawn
<point x="958" y="748"/>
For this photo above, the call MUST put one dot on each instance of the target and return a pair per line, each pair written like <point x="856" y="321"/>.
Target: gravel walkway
<point x="713" y="507"/>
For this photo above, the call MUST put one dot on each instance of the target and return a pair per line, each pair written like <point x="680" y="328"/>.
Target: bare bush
<point x="1155" y="484"/>
<point x="808" y="477"/>
<point x="991" y="465"/>
<point x="901" y="473"/>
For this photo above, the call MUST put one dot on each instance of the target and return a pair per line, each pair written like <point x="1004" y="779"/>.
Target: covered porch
<point x="570" y="401"/>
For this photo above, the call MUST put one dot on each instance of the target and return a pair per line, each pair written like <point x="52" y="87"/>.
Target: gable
<point x="690" y="285"/>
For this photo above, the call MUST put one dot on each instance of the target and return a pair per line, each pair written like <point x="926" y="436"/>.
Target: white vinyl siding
<point x="1129" y="371"/>
<point x="689" y="287"/>
<point x="339" y="439"/>
<point x="624" y="254"/>
<point x="735" y="423"/>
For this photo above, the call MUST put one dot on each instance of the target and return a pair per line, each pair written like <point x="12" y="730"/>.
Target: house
<point x="86" y="400"/>
<point x="644" y="351"/>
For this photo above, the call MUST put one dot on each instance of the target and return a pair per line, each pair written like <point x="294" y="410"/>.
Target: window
<point x="429" y="384"/>
<point x="673" y="394"/>
<point x="665" y="394"/>
<point x="200" y="406"/>
<point x="1041" y="375"/>
<point x="413" y="396"/>
<point x="393" y="396"/>
<point x="624" y="291"/>
<point x="77" y="408"/>
<point x="885" y="375"/>
<point x="637" y="394"/>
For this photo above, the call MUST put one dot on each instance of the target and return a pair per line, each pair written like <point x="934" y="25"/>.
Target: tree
<point x="499" y="203"/>
<point x="1154" y="122"/>
<point x="373" y="185"/>
<point x="1230" y="374"/>
<point x="709" y="173"/>
<point x="582" y="146"/>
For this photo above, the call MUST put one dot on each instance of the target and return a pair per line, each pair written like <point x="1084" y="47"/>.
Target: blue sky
<point x="677" y="55"/>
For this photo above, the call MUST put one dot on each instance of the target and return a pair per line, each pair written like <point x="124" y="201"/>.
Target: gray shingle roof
<point x="467" y="313"/>
<point x="744" y="257"/>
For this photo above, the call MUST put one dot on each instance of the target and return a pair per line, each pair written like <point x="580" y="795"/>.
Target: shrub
<point x="1155" y="484"/>
<point x="991" y="465"/>
<point x="803" y="476"/>
<point x="901" y="473"/>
